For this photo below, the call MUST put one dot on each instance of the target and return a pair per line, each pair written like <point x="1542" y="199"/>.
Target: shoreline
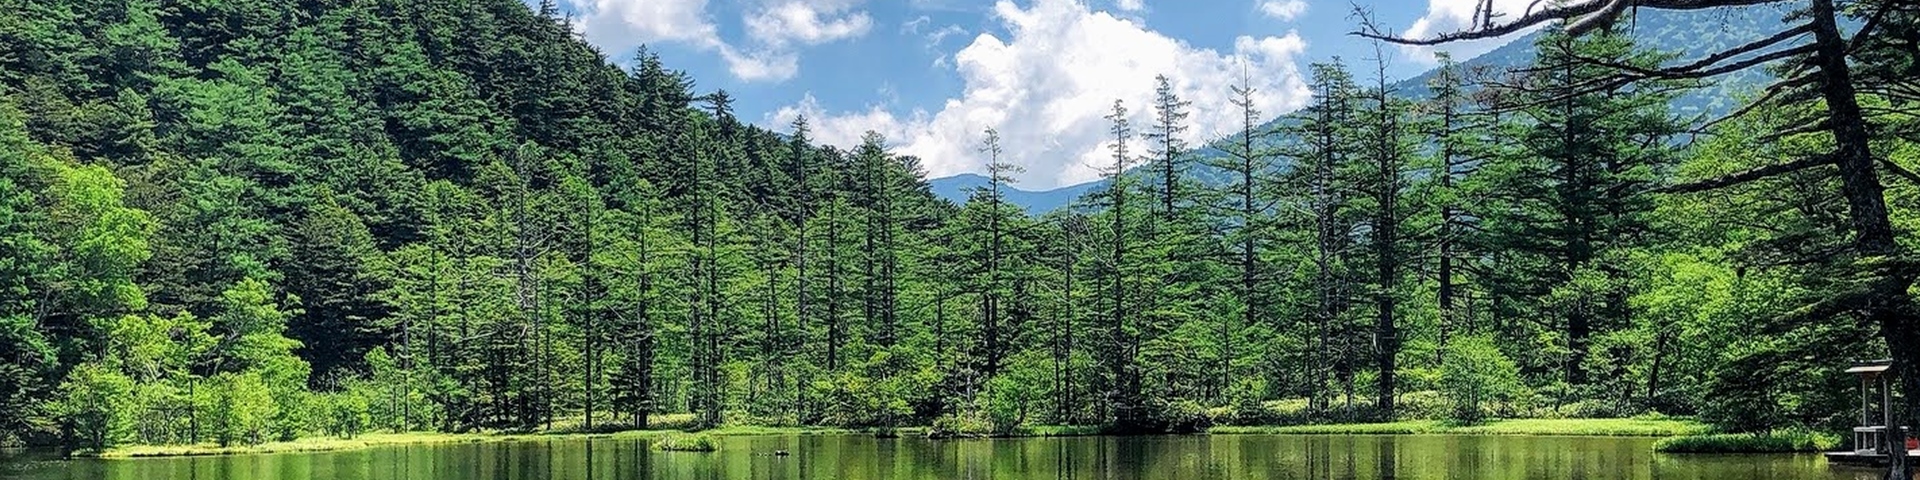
<point x="1517" y="427"/>
<point x="1575" y="427"/>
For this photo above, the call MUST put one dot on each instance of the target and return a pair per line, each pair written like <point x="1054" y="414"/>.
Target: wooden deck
<point x="1865" y="458"/>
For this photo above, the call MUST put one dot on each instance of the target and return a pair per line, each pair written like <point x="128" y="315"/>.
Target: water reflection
<point x="1088" y="458"/>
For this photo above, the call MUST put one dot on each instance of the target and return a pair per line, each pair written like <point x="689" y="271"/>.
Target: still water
<point x="854" y="457"/>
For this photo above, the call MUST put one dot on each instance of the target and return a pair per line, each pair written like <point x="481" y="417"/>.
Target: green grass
<point x="1591" y="427"/>
<point x="686" y="442"/>
<point x="1695" y="438"/>
<point x="1775" y="442"/>
<point x="309" y="444"/>
<point x="745" y="430"/>
<point x="1396" y="428"/>
<point x="1606" y="427"/>
<point x="332" y="444"/>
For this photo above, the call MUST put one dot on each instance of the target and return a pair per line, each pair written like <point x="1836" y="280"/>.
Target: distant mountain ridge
<point x="1688" y="35"/>
<point x="958" y="188"/>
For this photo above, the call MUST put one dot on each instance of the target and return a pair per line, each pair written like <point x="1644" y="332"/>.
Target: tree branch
<point x="1566" y="11"/>
<point x="1901" y="171"/>
<point x="1747" y="176"/>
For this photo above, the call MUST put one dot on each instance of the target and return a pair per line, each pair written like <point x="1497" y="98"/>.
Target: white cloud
<point x="760" y="65"/>
<point x="844" y="129"/>
<point x="1131" y="5"/>
<point x="1048" y="84"/>
<point x="913" y="26"/>
<point x="1445" y="16"/>
<point x="622" y="25"/>
<point x="1283" y="10"/>
<point x="918" y="26"/>
<point x="777" y="30"/>
<point x="809" y="23"/>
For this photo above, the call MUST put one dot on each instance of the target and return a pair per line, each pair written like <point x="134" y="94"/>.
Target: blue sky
<point x="932" y="74"/>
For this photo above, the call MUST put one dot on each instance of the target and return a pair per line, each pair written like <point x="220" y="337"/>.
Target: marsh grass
<point x="1786" y="441"/>
<point x="686" y="442"/>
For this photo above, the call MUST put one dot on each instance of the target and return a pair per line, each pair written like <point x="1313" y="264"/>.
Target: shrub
<point x="1008" y="403"/>
<point x="96" y="407"/>
<point x="346" y="413"/>
<point x="1475" y="374"/>
<point x="242" y="409"/>
<point x="1185" y="416"/>
<point x="1421" y="405"/>
<point x="1245" y="407"/>
<point x="686" y="442"/>
<point x="955" y="426"/>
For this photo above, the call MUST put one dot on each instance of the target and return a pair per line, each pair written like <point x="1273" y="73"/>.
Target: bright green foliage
<point x="241" y="408"/>
<point x="95" y="407"/>
<point x="346" y="414"/>
<point x="1475" y="377"/>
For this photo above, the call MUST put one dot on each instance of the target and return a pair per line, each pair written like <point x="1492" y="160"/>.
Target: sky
<point x="932" y="75"/>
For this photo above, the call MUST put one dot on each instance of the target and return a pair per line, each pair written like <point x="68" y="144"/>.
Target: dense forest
<point x="237" y="221"/>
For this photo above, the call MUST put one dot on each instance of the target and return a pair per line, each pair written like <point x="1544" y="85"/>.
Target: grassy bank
<point x="1692" y="435"/>
<point x="1607" y="427"/>
<point x="1775" y="442"/>
<point x="331" y="444"/>
<point x="1021" y="432"/>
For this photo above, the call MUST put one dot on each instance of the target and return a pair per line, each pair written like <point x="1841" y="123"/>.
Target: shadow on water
<point x="1339" y="457"/>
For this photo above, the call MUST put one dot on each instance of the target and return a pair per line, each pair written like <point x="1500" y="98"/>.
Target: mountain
<point x="958" y="187"/>
<point x="1685" y="35"/>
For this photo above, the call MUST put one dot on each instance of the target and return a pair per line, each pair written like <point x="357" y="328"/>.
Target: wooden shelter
<point x="1870" y="443"/>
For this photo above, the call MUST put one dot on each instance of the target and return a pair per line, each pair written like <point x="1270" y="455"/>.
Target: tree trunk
<point x="1888" y="303"/>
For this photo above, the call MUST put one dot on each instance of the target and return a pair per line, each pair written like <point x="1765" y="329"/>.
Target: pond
<point x="856" y="457"/>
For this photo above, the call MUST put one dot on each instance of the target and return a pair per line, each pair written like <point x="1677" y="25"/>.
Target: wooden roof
<point x="1871" y="368"/>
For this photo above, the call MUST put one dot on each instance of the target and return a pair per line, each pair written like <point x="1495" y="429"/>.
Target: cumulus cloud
<point x="806" y="22"/>
<point x="760" y="65"/>
<point x="1047" y="85"/>
<point x="622" y="25"/>
<point x="777" y="29"/>
<point x="1445" y="16"/>
<point x="1283" y="10"/>
<point x="1130" y="5"/>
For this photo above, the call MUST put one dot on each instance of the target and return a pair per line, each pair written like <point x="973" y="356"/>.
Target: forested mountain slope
<point x="458" y="186"/>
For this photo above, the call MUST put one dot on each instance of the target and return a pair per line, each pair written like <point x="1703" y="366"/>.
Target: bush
<point x="1421" y="405"/>
<point x="686" y="442"/>
<point x="1474" y="375"/>
<point x="956" y="426"/>
<point x="346" y="413"/>
<point x="1785" y="441"/>
<point x="96" y="407"/>
<point x="1245" y="407"/>
<point x="1185" y="416"/>
<point x="1008" y="403"/>
<point x="877" y="393"/>
<point x="242" y="409"/>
